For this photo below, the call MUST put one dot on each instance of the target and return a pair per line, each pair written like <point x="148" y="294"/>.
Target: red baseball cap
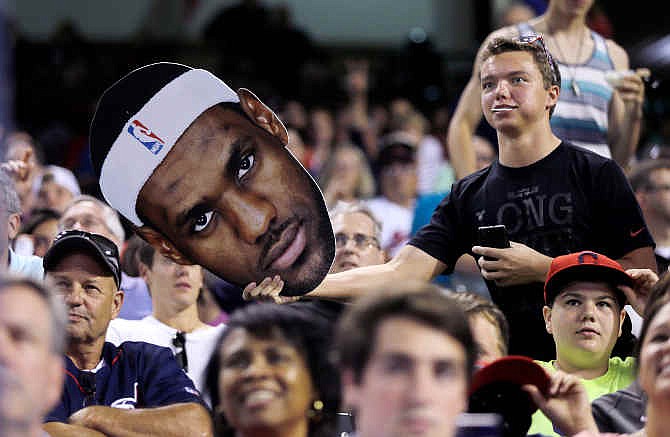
<point x="584" y="266"/>
<point x="497" y="388"/>
<point x="515" y="369"/>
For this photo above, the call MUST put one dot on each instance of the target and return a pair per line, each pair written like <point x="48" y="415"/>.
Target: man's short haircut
<point x="9" y="199"/>
<point x="544" y="61"/>
<point x="342" y="208"/>
<point x="474" y="305"/>
<point x="426" y="304"/>
<point x="38" y="217"/>
<point x="109" y="216"/>
<point x="146" y="253"/>
<point x="57" y="311"/>
<point x="640" y="173"/>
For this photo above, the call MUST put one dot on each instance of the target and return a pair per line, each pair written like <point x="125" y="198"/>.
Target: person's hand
<point x="269" y="290"/>
<point x="566" y="403"/>
<point x="518" y="264"/>
<point x="631" y="86"/>
<point x="21" y="171"/>
<point x="643" y="282"/>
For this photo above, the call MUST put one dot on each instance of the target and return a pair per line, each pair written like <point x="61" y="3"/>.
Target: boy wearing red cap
<point x="584" y="312"/>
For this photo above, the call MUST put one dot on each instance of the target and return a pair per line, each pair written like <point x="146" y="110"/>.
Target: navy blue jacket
<point x="134" y="375"/>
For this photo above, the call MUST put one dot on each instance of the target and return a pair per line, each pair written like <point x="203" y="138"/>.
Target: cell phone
<point x="493" y="236"/>
<point x="479" y="425"/>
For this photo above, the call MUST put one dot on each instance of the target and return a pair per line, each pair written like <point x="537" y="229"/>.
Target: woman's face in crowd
<point x="347" y="169"/>
<point x="654" y="358"/>
<point x="263" y="383"/>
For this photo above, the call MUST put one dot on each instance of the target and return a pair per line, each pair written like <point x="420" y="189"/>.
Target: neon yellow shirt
<point x="620" y="374"/>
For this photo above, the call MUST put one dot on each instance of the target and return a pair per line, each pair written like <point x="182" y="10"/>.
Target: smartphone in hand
<point x="493" y="236"/>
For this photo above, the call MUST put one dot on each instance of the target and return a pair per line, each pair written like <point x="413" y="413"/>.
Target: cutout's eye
<point x="203" y="221"/>
<point x="246" y="163"/>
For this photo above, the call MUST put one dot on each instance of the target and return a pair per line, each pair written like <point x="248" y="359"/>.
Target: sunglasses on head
<point x="536" y="40"/>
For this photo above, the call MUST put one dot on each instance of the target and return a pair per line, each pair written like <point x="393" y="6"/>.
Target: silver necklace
<point x="572" y="68"/>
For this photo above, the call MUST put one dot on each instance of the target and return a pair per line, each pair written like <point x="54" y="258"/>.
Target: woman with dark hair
<point x="37" y="232"/>
<point x="270" y="375"/>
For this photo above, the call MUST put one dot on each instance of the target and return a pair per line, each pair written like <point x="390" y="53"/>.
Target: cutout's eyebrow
<point x="229" y="158"/>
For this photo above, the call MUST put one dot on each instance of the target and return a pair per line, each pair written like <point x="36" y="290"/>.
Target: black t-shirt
<point x="570" y="200"/>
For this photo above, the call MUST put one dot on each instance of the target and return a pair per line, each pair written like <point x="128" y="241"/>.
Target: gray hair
<point x="109" y="215"/>
<point x="9" y="199"/>
<point x="342" y="208"/>
<point x="57" y="310"/>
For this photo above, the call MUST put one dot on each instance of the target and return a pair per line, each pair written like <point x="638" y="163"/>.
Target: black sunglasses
<point x="179" y="342"/>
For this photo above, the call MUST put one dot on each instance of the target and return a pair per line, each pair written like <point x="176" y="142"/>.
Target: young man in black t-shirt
<point x="553" y="197"/>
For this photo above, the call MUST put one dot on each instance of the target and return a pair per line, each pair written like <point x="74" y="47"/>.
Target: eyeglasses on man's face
<point x="361" y="241"/>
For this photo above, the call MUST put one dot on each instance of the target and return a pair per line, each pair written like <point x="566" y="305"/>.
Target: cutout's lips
<point x="287" y="249"/>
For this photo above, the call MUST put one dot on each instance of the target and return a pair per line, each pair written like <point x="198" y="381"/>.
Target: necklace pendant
<point x="575" y="88"/>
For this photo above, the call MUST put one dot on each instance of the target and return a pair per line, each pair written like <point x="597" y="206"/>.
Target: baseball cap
<point x="396" y="147"/>
<point x="140" y="118"/>
<point x="63" y="177"/>
<point x="496" y="388"/>
<point x="101" y="247"/>
<point x="584" y="266"/>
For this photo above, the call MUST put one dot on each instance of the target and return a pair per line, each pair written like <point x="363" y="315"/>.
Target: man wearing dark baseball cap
<point x="104" y="382"/>
<point x="584" y="313"/>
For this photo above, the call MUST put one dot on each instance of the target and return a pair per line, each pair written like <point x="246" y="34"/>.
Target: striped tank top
<point x="583" y="119"/>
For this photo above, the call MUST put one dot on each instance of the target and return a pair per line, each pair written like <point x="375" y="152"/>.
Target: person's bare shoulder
<point x="618" y="55"/>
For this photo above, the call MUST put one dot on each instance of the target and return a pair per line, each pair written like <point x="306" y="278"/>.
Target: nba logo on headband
<point x="146" y="137"/>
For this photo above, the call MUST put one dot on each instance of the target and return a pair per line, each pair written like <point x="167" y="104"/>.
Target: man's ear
<point x="263" y="116"/>
<point x="350" y="390"/>
<point x="117" y="303"/>
<point x="162" y="245"/>
<point x="552" y="96"/>
<point x="622" y="317"/>
<point x="546" y="313"/>
<point x="641" y="197"/>
<point x="13" y="225"/>
<point x="143" y="270"/>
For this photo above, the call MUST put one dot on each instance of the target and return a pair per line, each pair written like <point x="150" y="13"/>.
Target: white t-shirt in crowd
<point x="199" y="344"/>
<point x="396" y="222"/>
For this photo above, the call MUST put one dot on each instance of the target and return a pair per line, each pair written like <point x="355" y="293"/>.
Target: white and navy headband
<point x="139" y="119"/>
